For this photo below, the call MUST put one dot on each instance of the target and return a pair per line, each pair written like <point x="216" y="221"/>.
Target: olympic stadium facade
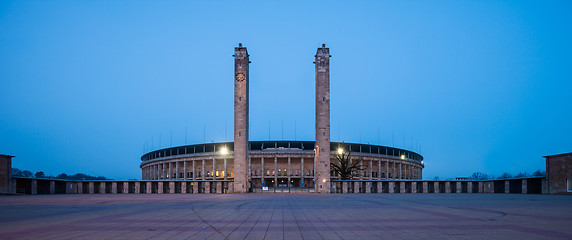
<point x="243" y="165"/>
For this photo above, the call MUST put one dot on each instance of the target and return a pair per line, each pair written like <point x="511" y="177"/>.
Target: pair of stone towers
<point x="322" y="146"/>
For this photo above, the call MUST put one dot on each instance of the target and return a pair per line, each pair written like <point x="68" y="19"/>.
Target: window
<point x="569" y="184"/>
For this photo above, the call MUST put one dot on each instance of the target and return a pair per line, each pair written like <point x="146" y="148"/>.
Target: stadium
<point x="246" y="166"/>
<point x="276" y="164"/>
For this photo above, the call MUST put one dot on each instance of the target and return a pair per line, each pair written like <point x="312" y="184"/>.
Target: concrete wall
<point x="50" y="186"/>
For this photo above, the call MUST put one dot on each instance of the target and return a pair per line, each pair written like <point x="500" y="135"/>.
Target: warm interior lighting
<point x="402" y="156"/>
<point x="224" y="150"/>
<point x="340" y="150"/>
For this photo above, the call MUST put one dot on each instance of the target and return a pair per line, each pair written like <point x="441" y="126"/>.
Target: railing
<point x="283" y="190"/>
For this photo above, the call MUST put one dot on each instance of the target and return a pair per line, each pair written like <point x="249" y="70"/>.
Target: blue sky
<point x="472" y="85"/>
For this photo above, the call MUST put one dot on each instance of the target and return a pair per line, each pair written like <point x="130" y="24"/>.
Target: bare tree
<point x="344" y="165"/>
<point x="480" y="176"/>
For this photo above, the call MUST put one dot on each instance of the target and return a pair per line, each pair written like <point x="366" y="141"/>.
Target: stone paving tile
<point x="286" y="216"/>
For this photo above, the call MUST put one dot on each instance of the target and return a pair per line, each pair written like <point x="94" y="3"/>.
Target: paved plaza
<point x="286" y="216"/>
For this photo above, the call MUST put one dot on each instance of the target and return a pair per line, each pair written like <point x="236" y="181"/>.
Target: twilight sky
<point x="89" y="86"/>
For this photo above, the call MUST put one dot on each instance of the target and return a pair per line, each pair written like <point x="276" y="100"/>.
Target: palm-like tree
<point x="343" y="165"/>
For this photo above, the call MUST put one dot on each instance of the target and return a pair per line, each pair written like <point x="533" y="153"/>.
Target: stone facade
<point x="241" y="62"/>
<point x="559" y="173"/>
<point x="322" y="157"/>
<point x="5" y="173"/>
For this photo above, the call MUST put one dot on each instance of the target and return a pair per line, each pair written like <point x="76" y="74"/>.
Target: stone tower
<point x="322" y="149"/>
<point x="241" y="183"/>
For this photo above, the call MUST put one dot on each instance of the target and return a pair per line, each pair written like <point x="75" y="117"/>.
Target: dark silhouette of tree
<point x="40" y="175"/>
<point x="521" y="175"/>
<point x="505" y="176"/>
<point x="16" y="172"/>
<point x="27" y="173"/>
<point x="62" y="176"/>
<point x="539" y="173"/>
<point x="344" y="165"/>
<point x="480" y="176"/>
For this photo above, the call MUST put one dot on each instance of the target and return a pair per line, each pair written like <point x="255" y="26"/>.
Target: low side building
<point x="5" y="173"/>
<point x="559" y="173"/>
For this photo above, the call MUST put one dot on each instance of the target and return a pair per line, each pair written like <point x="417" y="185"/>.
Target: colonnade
<point x="275" y="166"/>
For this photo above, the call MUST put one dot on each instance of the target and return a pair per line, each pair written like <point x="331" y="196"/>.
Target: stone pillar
<point x="177" y="170"/>
<point x="447" y="187"/>
<point x="344" y="187"/>
<point x="113" y="187"/>
<point x="69" y="187"/>
<point x="289" y="173"/>
<point x="184" y="187"/>
<point x="263" y="174"/>
<point x="322" y="149"/>
<point x="231" y="187"/>
<point x="275" y="173"/>
<point x="185" y="170"/>
<point x="102" y="187"/>
<point x="386" y="169"/>
<point x="194" y="171"/>
<point x="208" y="187"/>
<point x="401" y="185"/>
<point x="436" y="187"/>
<point x="470" y="187"/>
<point x="489" y="187"/>
<point x="34" y="187"/>
<point x="219" y="187"/>
<point x="368" y="187"/>
<point x="52" y="187"/>
<point x="413" y="187"/>
<point x="91" y="187"/>
<point x="459" y="188"/>
<point x="379" y="169"/>
<point x="356" y="187"/>
<point x="302" y="172"/>
<point x="203" y="171"/>
<point x="160" y="187"/>
<point x="524" y="186"/>
<point x="379" y="187"/>
<point x="391" y="187"/>
<point x="125" y="187"/>
<point x="425" y="187"/>
<point x="214" y="170"/>
<point x="171" y="187"/>
<point x="195" y="187"/>
<point x="225" y="169"/>
<point x="506" y="186"/>
<point x="241" y="109"/>
<point x="137" y="187"/>
<point x="149" y="185"/>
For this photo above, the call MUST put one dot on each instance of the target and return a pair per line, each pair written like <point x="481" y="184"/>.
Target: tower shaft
<point x="322" y="149"/>
<point x="241" y="62"/>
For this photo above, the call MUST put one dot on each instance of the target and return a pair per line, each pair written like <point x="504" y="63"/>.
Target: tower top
<point x="323" y="51"/>
<point x="240" y="51"/>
